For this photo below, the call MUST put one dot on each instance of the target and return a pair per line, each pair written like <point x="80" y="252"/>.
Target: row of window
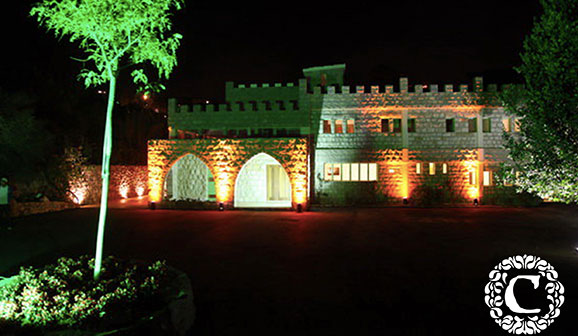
<point x="368" y="172"/>
<point x="340" y="126"/>
<point x="350" y="172"/>
<point x="393" y="125"/>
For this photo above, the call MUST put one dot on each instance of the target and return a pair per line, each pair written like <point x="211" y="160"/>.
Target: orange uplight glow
<point x="79" y="194"/>
<point x="123" y="190"/>
<point x="471" y="168"/>
<point x="140" y="189"/>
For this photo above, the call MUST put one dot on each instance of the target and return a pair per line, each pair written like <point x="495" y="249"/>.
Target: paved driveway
<point x="394" y="271"/>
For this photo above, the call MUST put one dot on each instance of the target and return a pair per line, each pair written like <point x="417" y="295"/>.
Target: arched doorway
<point x="262" y="183"/>
<point x="189" y="179"/>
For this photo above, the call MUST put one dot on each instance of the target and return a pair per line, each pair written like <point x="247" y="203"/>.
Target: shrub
<point x="65" y="294"/>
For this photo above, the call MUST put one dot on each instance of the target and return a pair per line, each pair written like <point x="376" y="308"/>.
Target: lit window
<point x="351" y="171"/>
<point x="345" y="169"/>
<point x="350" y="126"/>
<point x="363" y="171"/>
<point x="355" y="172"/>
<point x="487" y="178"/>
<point x="411" y="125"/>
<point x="385" y="126"/>
<point x="445" y="168"/>
<point x="396" y="125"/>
<point x="450" y="125"/>
<point x="516" y="125"/>
<point x="328" y="172"/>
<point x="336" y="172"/>
<point x="487" y="125"/>
<point x="326" y="126"/>
<point x="373" y="171"/>
<point x="338" y="126"/>
<point x="332" y="172"/>
<point x="506" y="123"/>
<point x="418" y="168"/>
<point x="432" y="168"/>
<point x="472" y="125"/>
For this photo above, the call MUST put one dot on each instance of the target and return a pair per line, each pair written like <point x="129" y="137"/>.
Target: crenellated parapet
<point x="427" y="95"/>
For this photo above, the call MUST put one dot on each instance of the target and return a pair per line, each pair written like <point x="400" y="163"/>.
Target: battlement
<point x="262" y="85"/>
<point x="281" y="106"/>
<point x="264" y="91"/>
<point x="476" y="87"/>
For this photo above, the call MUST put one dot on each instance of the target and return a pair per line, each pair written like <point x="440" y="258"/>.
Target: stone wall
<point x="225" y="158"/>
<point x="124" y="181"/>
<point x="463" y="152"/>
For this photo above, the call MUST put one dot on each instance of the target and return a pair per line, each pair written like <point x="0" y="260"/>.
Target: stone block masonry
<point x="225" y="158"/>
<point x="356" y="145"/>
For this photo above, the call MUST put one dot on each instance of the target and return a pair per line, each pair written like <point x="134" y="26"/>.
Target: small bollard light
<point x="299" y="207"/>
<point x="476" y="203"/>
<point x="221" y="206"/>
<point x="152" y="205"/>
<point x="405" y="201"/>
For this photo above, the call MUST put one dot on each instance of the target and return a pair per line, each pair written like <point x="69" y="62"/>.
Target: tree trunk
<point x="106" y="151"/>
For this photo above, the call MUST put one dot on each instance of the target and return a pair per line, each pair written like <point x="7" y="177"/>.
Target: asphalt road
<point x="394" y="271"/>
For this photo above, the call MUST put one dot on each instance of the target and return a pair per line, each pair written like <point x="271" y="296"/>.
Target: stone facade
<point x="356" y="145"/>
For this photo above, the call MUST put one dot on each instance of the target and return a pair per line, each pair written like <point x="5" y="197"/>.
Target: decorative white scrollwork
<point x="495" y="295"/>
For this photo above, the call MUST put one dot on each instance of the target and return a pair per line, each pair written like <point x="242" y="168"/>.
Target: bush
<point x="502" y="195"/>
<point x="65" y="294"/>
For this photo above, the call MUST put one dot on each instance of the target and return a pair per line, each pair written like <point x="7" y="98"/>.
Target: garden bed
<point x="131" y="298"/>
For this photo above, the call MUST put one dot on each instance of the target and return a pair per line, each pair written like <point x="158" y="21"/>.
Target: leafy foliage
<point x="545" y="153"/>
<point x="64" y="294"/>
<point x="110" y="30"/>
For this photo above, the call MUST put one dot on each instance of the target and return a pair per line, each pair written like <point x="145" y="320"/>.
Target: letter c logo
<point x="510" y="299"/>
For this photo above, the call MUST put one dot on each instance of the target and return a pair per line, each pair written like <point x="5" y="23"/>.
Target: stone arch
<point x="263" y="182"/>
<point x="189" y="178"/>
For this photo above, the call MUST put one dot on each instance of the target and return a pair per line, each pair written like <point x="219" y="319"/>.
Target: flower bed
<point x="63" y="299"/>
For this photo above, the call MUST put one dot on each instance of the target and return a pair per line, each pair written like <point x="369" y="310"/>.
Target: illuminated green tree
<point x="114" y="34"/>
<point x="545" y="153"/>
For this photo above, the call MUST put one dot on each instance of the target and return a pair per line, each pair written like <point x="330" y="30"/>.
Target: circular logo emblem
<point x="524" y="314"/>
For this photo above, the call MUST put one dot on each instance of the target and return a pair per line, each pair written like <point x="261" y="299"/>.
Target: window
<point x="473" y="125"/>
<point x="396" y="125"/>
<point x="345" y="169"/>
<point x="487" y="181"/>
<point x="487" y="125"/>
<point x="516" y="125"/>
<point x="450" y="125"/>
<point x="363" y="172"/>
<point x="332" y="172"/>
<point x="432" y="168"/>
<point x="338" y="126"/>
<point x="411" y="125"/>
<point x="418" y="168"/>
<point x="444" y="168"/>
<point x="385" y="126"/>
<point x="355" y="172"/>
<point x="326" y="126"/>
<point x="507" y="124"/>
<point x="373" y="171"/>
<point x="350" y="172"/>
<point x="350" y="126"/>
<point x="278" y="184"/>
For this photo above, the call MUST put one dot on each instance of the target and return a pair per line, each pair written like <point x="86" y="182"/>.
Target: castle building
<point x="322" y="142"/>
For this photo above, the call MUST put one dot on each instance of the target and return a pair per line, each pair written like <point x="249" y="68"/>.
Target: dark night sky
<point x="271" y="41"/>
